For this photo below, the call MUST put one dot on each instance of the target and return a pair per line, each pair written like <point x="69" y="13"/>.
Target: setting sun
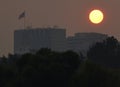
<point x="96" y="16"/>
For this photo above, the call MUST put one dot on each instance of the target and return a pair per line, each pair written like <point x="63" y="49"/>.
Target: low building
<point x="81" y="42"/>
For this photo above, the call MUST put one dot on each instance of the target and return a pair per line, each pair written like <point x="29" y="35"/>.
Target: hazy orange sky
<point x="69" y="14"/>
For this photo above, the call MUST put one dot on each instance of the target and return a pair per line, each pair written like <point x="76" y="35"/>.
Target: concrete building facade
<point x="30" y="40"/>
<point x="81" y="42"/>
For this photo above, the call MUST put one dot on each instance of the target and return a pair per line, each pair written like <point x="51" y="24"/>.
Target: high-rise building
<point x="31" y="40"/>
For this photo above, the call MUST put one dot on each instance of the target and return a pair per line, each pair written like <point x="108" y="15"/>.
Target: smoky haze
<point x="69" y="14"/>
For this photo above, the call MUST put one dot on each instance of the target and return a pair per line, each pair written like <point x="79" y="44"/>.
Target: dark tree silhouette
<point x="106" y="53"/>
<point x="55" y="69"/>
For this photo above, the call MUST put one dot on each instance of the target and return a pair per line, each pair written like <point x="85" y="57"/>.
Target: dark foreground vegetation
<point x="47" y="68"/>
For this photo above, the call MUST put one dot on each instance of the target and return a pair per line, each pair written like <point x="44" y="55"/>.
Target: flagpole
<point x="24" y="22"/>
<point x="24" y="19"/>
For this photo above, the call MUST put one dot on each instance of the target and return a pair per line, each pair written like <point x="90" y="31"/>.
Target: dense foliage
<point x="62" y="69"/>
<point x="106" y="53"/>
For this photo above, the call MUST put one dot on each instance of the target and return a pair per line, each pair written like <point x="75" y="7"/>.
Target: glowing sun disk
<point x="96" y="16"/>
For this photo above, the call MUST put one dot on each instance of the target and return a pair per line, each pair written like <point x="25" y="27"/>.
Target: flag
<point x="22" y="15"/>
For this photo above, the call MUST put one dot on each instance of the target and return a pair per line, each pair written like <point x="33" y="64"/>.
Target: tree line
<point x="64" y="69"/>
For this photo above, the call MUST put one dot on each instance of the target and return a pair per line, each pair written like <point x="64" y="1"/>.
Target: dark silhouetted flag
<point x="22" y="15"/>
